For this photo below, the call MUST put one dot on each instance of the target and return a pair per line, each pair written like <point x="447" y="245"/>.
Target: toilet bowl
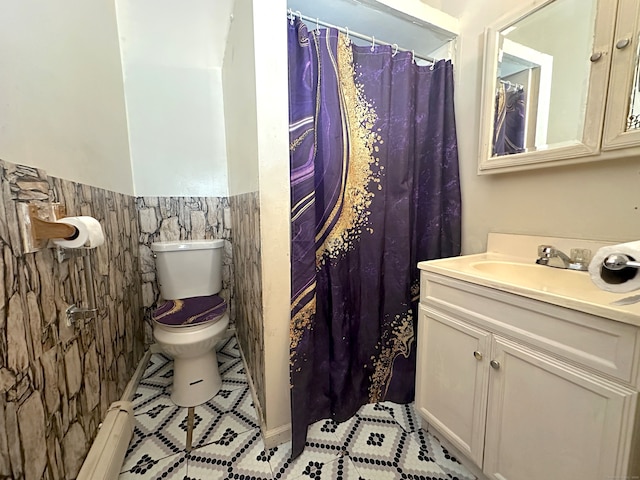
<point x="192" y="319"/>
<point x="196" y="378"/>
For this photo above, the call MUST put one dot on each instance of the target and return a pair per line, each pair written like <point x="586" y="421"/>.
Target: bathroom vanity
<point x="528" y="371"/>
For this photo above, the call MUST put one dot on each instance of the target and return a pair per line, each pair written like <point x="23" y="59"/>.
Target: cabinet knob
<point x="624" y="43"/>
<point x="478" y="355"/>
<point x="595" y="56"/>
<point x="494" y="364"/>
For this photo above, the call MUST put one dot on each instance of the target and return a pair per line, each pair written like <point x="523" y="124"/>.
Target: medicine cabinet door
<point x="622" y="119"/>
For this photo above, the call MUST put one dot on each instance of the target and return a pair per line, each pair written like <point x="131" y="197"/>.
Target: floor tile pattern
<point x="381" y="441"/>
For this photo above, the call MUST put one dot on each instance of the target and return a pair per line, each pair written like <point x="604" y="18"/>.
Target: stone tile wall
<point x="182" y="218"/>
<point x="56" y="381"/>
<point x="245" y="216"/>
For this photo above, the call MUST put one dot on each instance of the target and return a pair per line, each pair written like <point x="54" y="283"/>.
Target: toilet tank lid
<point x="186" y="245"/>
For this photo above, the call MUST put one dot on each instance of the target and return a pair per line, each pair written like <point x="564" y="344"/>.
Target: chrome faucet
<point x="578" y="261"/>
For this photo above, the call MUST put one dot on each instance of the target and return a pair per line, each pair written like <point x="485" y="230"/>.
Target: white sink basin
<point x="509" y="266"/>
<point x="567" y="288"/>
<point x="541" y="277"/>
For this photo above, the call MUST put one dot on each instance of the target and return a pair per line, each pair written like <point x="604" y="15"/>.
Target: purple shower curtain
<point x="374" y="190"/>
<point x="510" y="119"/>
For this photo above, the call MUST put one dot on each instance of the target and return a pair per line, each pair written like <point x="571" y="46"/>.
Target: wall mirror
<point x="541" y="71"/>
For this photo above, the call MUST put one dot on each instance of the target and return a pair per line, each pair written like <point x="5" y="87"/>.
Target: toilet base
<point x="195" y="380"/>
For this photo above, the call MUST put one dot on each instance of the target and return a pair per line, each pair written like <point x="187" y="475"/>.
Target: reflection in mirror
<point x="510" y="118"/>
<point x="633" y="120"/>
<point x="542" y="78"/>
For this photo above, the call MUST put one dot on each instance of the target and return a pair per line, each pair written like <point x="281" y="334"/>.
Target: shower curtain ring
<point x="395" y="52"/>
<point x="299" y="15"/>
<point x="373" y="43"/>
<point x="317" y="26"/>
<point x="347" y="33"/>
<point x="413" y="56"/>
<point x="291" y="17"/>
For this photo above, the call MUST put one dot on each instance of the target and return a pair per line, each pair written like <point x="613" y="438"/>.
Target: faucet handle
<point x="546" y="251"/>
<point x="580" y="256"/>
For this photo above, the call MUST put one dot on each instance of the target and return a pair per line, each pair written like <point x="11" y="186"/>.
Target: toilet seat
<point x="186" y="313"/>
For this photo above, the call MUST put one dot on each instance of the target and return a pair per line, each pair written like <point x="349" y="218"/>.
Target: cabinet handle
<point x="478" y="355"/>
<point x="624" y="43"/>
<point x="595" y="56"/>
<point x="494" y="364"/>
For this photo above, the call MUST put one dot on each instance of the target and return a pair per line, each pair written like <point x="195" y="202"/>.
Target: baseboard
<point x="252" y="389"/>
<point x="128" y="393"/>
<point x="231" y="331"/>
<point x="274" y="437"/>
<point x="109" y="448"/>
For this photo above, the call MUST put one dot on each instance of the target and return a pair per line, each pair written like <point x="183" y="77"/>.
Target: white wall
<point x="272" y="98"/>
<point x="434" y="3"/>
<point x="256" y="114"/>
<point x="172" y="57"/>
<point x="598" y="200"/>
<point x="62" y="100"/>
<point x="241" y="117"/>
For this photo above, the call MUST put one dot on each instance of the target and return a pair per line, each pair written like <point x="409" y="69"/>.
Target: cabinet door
<point x="548" y="420"/>
<point x="451" y="380"/>
<point x="622" y="118"/>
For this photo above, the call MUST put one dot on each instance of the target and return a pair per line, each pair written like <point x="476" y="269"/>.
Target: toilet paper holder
<point x="44" y="230"/>
<point x="618" y="261"/>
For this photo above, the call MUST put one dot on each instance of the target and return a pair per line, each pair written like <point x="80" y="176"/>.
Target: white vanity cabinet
<point x="548" y="420"/>
<point x="524" y="389"/>
<point x="452" y="384"/>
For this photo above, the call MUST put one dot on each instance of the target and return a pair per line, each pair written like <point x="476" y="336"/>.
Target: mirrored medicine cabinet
<point x="561" y="85"/>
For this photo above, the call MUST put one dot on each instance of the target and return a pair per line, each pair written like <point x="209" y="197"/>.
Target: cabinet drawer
<point x="595" y="342"/>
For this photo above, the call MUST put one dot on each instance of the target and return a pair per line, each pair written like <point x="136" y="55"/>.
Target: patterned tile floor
<point x="382" y="441"/>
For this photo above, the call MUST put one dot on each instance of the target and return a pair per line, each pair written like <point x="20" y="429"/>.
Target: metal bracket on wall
<point x="63" y="254"/>
<point x="75" y="313"/>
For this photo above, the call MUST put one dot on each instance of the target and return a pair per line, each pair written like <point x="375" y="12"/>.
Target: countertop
<point x="562" y="287"/>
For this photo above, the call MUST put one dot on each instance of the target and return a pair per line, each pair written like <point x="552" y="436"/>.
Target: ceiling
<point x="371" y="18"/>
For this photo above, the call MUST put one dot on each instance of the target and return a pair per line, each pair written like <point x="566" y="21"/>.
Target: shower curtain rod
<point x="507" y="83"/>
<point x="291" y="14"/>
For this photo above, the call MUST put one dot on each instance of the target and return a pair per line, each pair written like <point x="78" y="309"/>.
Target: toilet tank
<point x="188" y="268"/>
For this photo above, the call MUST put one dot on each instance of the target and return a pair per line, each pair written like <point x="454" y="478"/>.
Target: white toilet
<point x="192" y="320"/>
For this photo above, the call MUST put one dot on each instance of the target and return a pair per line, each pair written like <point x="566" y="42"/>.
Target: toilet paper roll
<point x="616" y="281"/>
<point x="89" y="233"/>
